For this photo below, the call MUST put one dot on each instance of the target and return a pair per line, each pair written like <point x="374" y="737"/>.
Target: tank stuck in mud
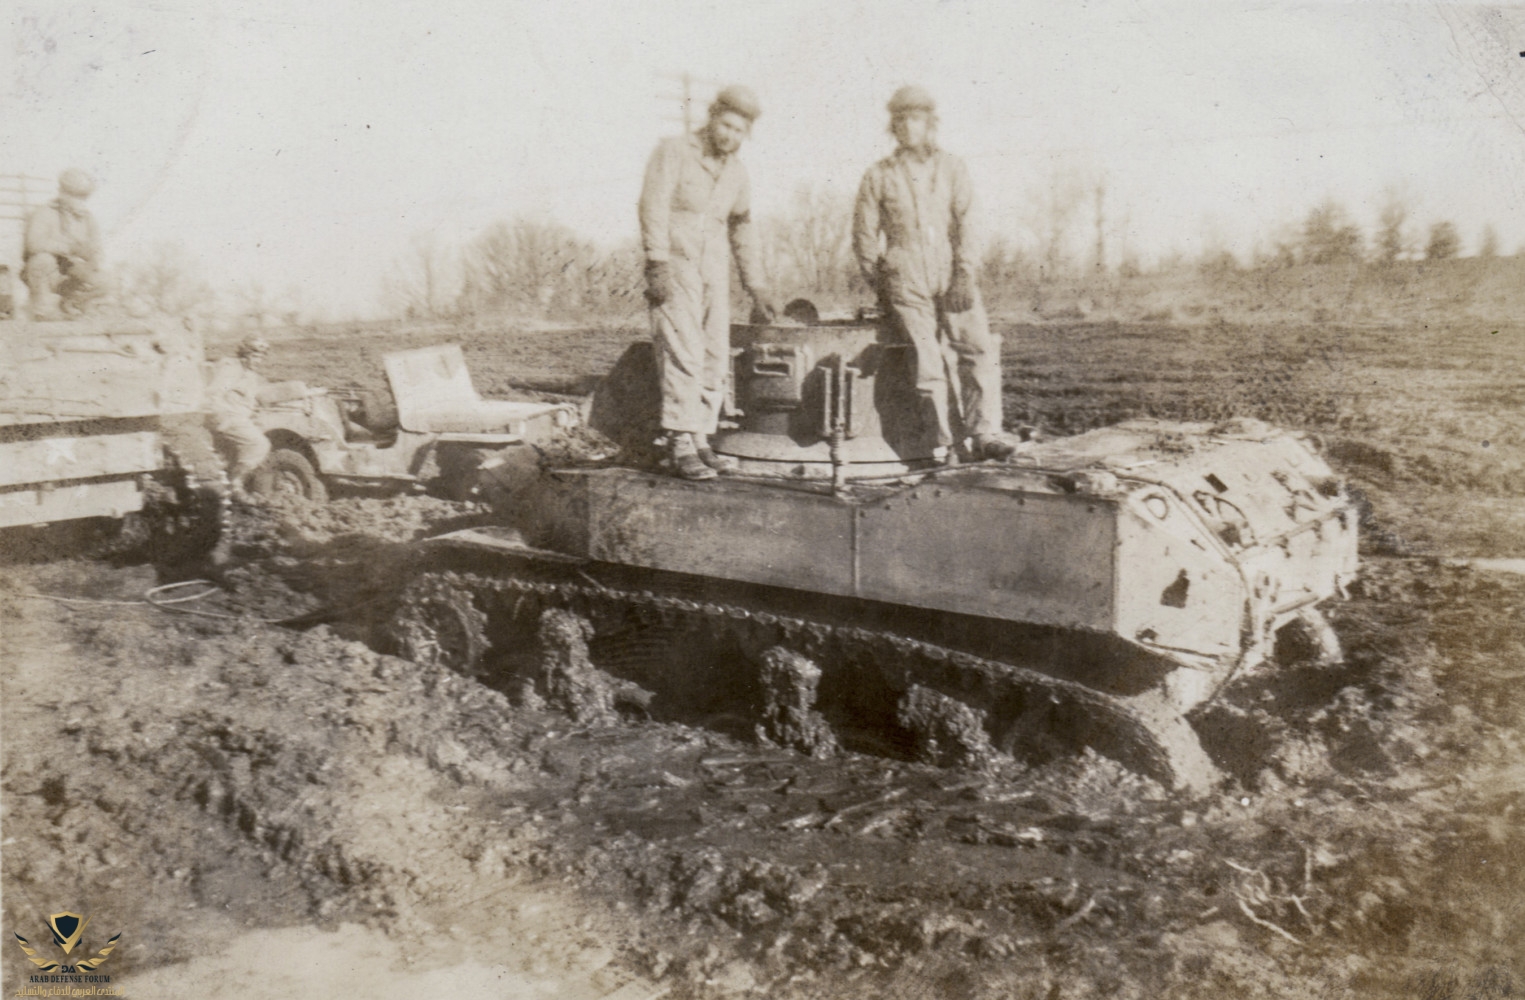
<point x="849" y="589"/>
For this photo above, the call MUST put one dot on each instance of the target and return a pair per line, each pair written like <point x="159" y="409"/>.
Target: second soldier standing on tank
<point x="696" y="211"/>
<point x="914" y="242"/>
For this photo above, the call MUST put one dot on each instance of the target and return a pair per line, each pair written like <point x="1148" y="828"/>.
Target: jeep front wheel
<point x="289" y="473"/>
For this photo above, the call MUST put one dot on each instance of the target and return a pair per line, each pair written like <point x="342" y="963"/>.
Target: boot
<point x="46" y="307"/>
<point x="992" y="446"/>
<point x="42" y="276"/>
<point x="684" y="456"/>
<point x="723" y="464"/>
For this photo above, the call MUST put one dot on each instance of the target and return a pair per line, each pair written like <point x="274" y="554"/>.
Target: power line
<point x="21" y="193"/>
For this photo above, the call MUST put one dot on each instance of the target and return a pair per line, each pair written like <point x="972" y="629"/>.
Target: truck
<point x="90" y="412"/>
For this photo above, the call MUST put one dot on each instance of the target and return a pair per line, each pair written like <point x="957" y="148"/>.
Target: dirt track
<point x="218" y="789"/>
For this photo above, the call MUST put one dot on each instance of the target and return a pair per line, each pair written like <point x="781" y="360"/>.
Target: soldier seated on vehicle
<point x="62" y="252"/>
<point x="234" y="392"/>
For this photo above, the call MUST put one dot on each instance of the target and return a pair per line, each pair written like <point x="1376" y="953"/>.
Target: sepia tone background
<point x="1311" y="214"/>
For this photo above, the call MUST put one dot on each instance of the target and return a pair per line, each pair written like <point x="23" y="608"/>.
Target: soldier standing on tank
<point x="695" y="213"/>
<point x="913" y="239"/>
<point x="233" y="390"/>
<point x="62" y="251"/>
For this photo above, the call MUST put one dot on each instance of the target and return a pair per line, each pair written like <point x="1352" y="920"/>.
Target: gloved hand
<point x="877" y="278"/>
<point x="765" y="307"/>
<point x="960" y="295"/>
<point x="658" y="282"/>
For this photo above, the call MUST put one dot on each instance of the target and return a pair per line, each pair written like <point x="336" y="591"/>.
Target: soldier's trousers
<point x="241" y="442"/>
<point x="56" y="284"/>
<point x="964" y="342"/>
<point x="692" y="334"/>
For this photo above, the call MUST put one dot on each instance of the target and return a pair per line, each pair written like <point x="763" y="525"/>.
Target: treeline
<point x="539" y="268"/>
<point x="1067" y="260"/>
<point x="1067" y="257"/>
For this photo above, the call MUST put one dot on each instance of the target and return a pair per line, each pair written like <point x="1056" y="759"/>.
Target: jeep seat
<point x="434" y="395"/>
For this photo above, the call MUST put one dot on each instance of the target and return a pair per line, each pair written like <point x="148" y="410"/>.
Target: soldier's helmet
<point x="253" y="347"/>
<point x="738" y="99"/>
<point x="911" y="98"/>
<point x="76" y="183"/>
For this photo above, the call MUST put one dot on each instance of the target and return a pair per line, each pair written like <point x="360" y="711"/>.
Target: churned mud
<point x="204" y="782"/>
<point x="266" y="803"/>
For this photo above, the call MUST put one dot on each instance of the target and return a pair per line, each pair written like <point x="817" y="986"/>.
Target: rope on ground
<point x="171" y="604"/>
<point x="1259" y="889"/>
<point x="155" y="597"/>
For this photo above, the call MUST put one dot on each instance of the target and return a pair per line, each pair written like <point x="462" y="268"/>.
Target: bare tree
<point x="1488" y="246"/>
<point x="1004" y="263"/>
<point x="616" y="282"/>
<point x="1329" y="236"/>
<point x="1444" y="242"/>
<point x="810" y="246"/>
<point x="1394" y="239"/>
<point x="424" y="282"/>
<point x="1007" y="274"/>
<point x="1055" y="210"/>
<point x="291" y="307"/>
<point x="1279" y="248"/>
<point x="253" y="304"/>
<point x="528" y="266"/>
<point x="1215" y="259"/>
<point x="1099" y="254"/>
<point x="1217" y="263"/>
<point x="166" y="280"/>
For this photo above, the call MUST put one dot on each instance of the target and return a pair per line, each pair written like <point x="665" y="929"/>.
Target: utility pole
<point x="688" y="91"/>
<point x="19" y="194"/>
<point x="1101" y="219"/>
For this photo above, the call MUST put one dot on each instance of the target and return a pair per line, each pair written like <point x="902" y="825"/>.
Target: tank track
<point x="1021" y="709"/>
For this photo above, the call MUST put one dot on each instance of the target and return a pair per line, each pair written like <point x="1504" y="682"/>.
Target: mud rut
<point x="200" y="780"/>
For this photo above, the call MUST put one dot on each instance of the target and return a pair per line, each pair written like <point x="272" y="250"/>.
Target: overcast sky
<point x="303" y="144"/>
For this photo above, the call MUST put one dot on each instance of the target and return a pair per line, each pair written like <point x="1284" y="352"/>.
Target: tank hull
<point x="1123" y="533"/>
<point x="1095" y="589"/>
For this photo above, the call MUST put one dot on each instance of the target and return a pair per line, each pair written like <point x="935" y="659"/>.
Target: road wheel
<point x="438" y="624"/>
<point x="289" y="473"/>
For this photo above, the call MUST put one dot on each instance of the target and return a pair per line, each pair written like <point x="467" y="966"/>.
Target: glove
<point x="960" y="295"/>
<point x="658" y="282"/>
<point x="877" y="277"/>
<point x="765" y="308"/>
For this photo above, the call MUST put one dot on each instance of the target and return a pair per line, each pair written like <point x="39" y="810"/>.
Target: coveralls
<point x="695" y="212"/>
<point x="61" y="256"/>
<point x="922" y="205"/>
<point x="233" y="392"/>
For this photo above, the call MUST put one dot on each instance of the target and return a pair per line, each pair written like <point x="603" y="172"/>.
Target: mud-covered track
<point x="876" y="677"/>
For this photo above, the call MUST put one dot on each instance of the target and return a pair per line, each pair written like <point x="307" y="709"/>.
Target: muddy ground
<point x="264" y="804"/>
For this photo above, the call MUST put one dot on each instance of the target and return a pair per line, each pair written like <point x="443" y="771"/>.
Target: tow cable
<point x="165" y="598"/>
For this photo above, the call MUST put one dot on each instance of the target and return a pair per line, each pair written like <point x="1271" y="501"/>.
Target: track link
<point x="1022" y="711"/>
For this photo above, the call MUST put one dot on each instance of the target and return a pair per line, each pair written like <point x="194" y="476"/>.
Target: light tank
<point x="850" y="587"/>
